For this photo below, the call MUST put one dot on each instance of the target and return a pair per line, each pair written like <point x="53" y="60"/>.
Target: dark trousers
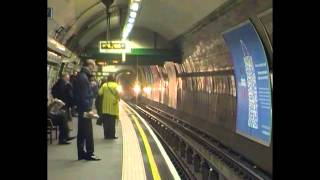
<point x="109" y="125"/>
<point x="73" y="111"/>
<point x="85" y="142"/>
<point x="67" y="108"/>
<point x="69" y="113"/>
<point x="61" y="121"/>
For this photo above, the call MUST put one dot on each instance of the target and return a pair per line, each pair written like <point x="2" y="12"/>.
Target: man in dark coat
<point x="72" y="80"/>
<point x="62" y="90"/>
<point x="83" y="98"/>
<point x="59" y="118"/>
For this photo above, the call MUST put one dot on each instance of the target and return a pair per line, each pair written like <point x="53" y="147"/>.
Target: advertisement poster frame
<point x="251" y="71"/>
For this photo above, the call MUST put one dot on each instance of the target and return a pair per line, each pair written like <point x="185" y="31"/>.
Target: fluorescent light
<point x="52" y="53"/>
<point x="124" y="36"/>
<point x="131" y="20"/>
<point x="53" y="41"/>
<point x="129" y="29"/>
<point x="135" y="6"/>
<point x="133" y="14"/>
<point x="129" y="26"/>
<point x="126" y="31"/>
<point x="61" y="47"/>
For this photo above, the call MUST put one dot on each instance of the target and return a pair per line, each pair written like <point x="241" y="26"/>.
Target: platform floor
<point x="123" y="158"/>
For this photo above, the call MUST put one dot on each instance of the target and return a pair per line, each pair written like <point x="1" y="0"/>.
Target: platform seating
<point x="50" y="128"/>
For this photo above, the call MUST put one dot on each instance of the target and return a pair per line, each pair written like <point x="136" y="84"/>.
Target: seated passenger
<point x="59" y="118"/>
<point x="62" y="90"/>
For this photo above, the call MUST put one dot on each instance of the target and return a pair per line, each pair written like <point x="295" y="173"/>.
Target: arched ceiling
<point x="97" y="29"/>
<point x="85" y="19"/>
<point x="170" y="18"/>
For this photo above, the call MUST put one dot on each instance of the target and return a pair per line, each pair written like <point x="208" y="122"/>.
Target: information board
<point x="254" y="109"/>
<point x="114" y="47"/>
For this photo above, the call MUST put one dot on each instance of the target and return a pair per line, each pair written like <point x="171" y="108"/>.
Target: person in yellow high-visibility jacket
<point x="110" y="107"/>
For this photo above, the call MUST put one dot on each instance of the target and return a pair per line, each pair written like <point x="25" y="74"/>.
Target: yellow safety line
<point x="153" y="165"/>
<point x="132" y="161"/>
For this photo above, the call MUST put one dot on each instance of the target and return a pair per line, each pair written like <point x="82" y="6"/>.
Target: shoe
<point x="90" y="115"/>
<point x="81" y="157"/>
<point x="92" y="158"/>
<point x="64" y="142"/>
<point x="70" y="138"/>
<point x="115" y="137"/>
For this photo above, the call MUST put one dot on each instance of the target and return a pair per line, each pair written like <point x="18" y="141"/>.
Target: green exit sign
<point x="117" y="47"/>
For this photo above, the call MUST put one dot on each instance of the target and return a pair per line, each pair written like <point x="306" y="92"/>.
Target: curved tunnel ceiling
<point x="97" y="29"/>
<point x="170" y="18"/>
<point x="68" y="12"/>
<point x="86" y="18"/>
<point x="76" y="15"/>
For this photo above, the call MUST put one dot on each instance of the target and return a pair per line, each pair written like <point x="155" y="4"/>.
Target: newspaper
<point x="90" y="115"/>
<point x="55" y="106"/>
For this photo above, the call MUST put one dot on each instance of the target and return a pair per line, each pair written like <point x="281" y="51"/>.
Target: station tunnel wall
<point x="203" y="85"/>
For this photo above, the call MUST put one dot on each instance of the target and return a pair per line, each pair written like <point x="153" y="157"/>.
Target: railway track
<point x="196" y="154"/>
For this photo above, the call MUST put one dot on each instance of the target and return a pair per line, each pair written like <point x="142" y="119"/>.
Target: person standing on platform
<point x="59" y="88"/>
<point x="68" y="97"/>
<point x="83" y="98"/>
<point x="73" y="77"/>
<point x="110" y="106"/>
<point x="72" y="80"/>
<point x="94" y="87"/>
<point x="98" y="103"/>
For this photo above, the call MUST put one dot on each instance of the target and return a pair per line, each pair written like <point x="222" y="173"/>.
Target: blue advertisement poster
<point x="254" y="110"/>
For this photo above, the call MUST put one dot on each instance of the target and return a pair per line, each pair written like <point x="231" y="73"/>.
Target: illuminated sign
<point x="118" y="47"/>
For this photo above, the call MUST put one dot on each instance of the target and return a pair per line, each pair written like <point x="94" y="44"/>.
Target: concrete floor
<point x="63" y="163"/>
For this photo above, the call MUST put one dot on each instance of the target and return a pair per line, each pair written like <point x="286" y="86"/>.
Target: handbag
<point x="98" y="104"/>
<point x="99" y="121"/>
<point x="114" y="94"/>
